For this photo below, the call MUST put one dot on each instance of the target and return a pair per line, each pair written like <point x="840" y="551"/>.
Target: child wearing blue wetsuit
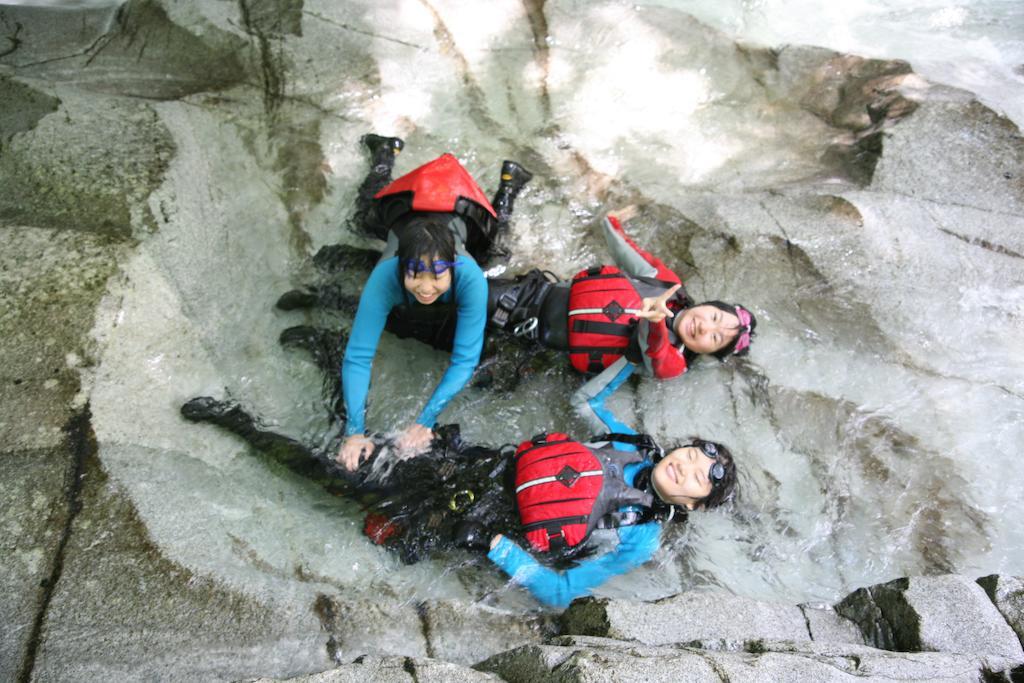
<point x="615" y="319"/>
<point x="426" y="284"/>
<point x="460" y="495"/>
<point x="698" y="475"/>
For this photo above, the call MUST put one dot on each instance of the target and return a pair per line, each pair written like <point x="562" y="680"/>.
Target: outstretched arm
<point x="379" y="296"/>
<point x="471" y="300"/>
<point x="637" y="545"/>
<point x="661" y="358"/>
<point x="589" y="399"/>
<point x="630" y="257"/>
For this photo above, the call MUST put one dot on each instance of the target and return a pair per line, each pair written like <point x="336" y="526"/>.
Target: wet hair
<point x="727" y="350"/>
<point x="425" y="238"/>
<point x="724" y="490"/>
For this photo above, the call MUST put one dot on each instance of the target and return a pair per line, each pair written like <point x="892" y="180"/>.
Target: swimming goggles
<point x="717" y="472"/>
<point x="415" y="265"/>
<point x="743" y="341"/>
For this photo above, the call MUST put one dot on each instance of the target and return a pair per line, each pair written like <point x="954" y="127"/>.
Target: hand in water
<point x="655" y="309"/>
<point x="625" y="213"/>
<point x="496" y="540"/>
<point x="354" y="449"/>
<point x="414" y="440"/>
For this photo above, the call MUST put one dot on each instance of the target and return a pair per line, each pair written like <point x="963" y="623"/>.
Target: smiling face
<point x="682" y="477"/>
<point x="706" y="328"/>
<point x="426" y="285"/>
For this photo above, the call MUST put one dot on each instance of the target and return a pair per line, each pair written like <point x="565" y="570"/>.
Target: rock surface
<point x="596" y="659"/>
<point x="168" y="167"/>
<point x="685" y="617"/>
<point x="1007" y="594"/>
<point x="932" y="613"/>
<point x="393" y="670"/>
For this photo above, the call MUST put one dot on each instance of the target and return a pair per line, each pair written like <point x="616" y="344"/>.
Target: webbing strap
<point x="600" y="327"/>
<point x="555" y="524"/>
<point x="548" y="480"/>
<point x="591" y="311"/>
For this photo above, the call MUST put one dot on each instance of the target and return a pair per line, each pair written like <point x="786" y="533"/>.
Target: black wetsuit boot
<point x="513" y="178"/>
<point x="383" y="151"/>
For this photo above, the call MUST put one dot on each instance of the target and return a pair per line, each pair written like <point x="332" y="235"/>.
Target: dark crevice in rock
<point x="421" y="611"/>
<point x="807" y="621"/>
<point x="1013" y="676"/>
<point x="409" y="666"/>
<point x="989" y="584"/>
<point x="327" y="612"/>
<point x="722" y="674"/>
<point x="363" y="32"/>
<point x="982" y="243"/>
<point x="883" y="616"/>
<point x="12" y="39"/>
<point x="586" y="617"/>
<point x="960" y="205"/>
<point x="92" y="50"/>
<point x="541" y="48"/>
<point x="271" y="74"/>
<point x="82" y="443"/>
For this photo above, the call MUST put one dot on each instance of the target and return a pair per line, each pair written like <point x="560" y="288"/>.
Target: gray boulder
<point x="824" y="625"/>
<point x="392" y="670"/>
<point x="937" y="613"/>
<point x="371" y="626"/>
<point x="135" y="49"/>
<point x="1007" y="593"/>
<point x="467" y="632"/>
<point x="685" y="617"/>
<point x="581" y="659"/>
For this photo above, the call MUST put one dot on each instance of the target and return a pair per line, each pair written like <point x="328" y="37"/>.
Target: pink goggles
<point x="743" y="341"/>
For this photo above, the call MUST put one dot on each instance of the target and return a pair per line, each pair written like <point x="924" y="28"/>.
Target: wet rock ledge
<point x="940" y="628"/>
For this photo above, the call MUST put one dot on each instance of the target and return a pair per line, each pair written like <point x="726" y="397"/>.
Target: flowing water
<point x="877" y="422"/>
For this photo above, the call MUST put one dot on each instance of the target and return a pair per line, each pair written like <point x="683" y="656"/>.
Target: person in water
<point x="426" y="283"/>
<point x="623" y="489"/>
<point x="614" y="319"/>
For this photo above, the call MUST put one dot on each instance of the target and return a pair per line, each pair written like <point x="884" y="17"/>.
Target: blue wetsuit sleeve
<point x="589" y="399"/>
<point x="381" y="293"/>
<point x="471" y="304"/>
<point x="637" y="545"/>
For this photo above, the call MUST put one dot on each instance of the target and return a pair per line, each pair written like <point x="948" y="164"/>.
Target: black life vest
<point x="603" y="303"/>
<point x="565" y="489"/>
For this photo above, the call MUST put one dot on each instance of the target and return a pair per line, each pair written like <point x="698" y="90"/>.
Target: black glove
<point x="472" y="536"/>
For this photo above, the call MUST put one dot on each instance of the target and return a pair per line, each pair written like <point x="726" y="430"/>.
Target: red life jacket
<point x="565" y="489"/>
<point x="441" y="185"/>
<point x="603" y="303"/>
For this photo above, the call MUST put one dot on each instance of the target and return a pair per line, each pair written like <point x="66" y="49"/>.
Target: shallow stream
<point x="878" y="420"/>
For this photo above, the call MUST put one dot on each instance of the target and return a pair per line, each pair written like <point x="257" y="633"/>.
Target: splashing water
<point x="877" y="422"/>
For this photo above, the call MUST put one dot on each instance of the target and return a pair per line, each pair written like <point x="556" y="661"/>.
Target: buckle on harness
<point x="506" y="305"/>
<point x="461" y="500"/>
<point x="527" y="328"/>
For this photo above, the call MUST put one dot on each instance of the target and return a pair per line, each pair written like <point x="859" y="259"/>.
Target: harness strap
<point x="555" y="524"/>
<point x="590" y="311"/>
<point x="594" y="355"/>
<point x="538" y="441"/>
<point x="643" y="442"/>
<point x="548" y="480"/>
<point x="522" y="301"/>
<point x="600" y="327"/>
